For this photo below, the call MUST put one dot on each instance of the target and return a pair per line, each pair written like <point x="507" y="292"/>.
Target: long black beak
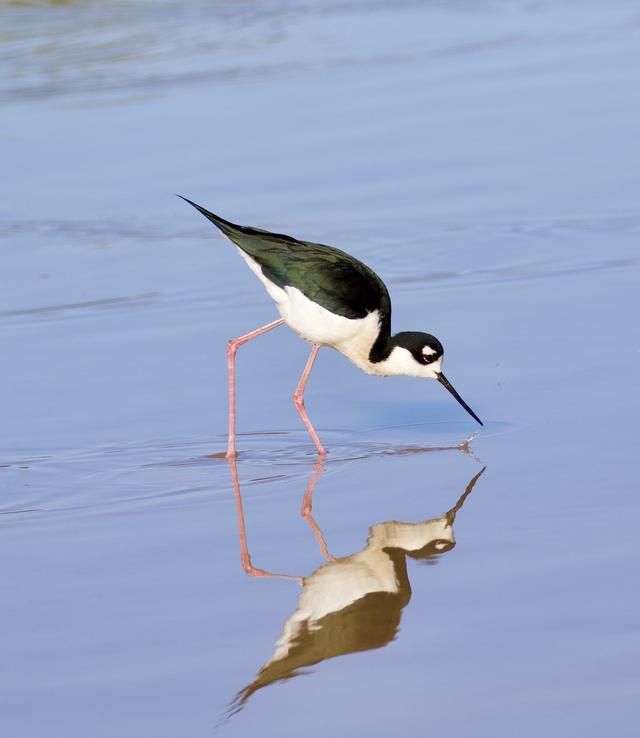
<point x="446" y="383"/>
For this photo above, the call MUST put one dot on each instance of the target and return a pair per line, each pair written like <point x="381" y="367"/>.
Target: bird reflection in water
<point x="352" y="603"/>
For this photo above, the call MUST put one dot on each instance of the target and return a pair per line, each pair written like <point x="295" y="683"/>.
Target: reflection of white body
<point x="354" y="603"/>
<point x="337" y="584"/>
<point x="349" y="604"/>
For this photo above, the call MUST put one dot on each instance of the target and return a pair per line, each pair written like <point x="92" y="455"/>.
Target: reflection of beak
<point x="446" y="383"/>
<point x="451" y="515"/>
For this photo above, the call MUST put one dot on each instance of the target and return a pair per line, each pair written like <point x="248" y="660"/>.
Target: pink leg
<point x="306" y="510"/>
<point x="245" y="556"/>
<point x="232" y="347"/>
<point x="298" y="399"/>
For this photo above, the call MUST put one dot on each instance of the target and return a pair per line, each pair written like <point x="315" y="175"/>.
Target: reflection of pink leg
<point x="232" y="347"/>
<point x="306" y="509"/>
<point x="298" y="399"/>
<point x="245" y="556"/>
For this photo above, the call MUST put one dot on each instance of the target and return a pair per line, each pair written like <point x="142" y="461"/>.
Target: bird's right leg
<point x="298" y="399"/>
<point x="232" y="348"/>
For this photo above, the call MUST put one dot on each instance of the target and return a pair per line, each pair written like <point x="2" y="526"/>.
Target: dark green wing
<point x="326" y="275"/>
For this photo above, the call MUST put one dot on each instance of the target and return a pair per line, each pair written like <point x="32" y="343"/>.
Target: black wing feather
<point x="330" y="277"/>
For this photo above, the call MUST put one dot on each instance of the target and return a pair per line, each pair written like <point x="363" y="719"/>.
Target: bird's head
<point x="420" y="355"/>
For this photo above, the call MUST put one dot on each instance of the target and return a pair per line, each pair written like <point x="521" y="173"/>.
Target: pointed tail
<point x="228" y="229"/>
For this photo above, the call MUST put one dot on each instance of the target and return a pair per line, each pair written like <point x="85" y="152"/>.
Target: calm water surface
<point x="484" y="159"/>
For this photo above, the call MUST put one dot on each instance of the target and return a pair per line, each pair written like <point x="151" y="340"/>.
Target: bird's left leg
<point x="298" y="399"/>
<point x="232" y="349"/>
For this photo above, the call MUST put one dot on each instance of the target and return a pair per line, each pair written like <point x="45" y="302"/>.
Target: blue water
<point x="483" y="158"/>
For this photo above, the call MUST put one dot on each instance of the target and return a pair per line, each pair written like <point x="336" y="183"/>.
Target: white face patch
<point x="401" y="361"/>
<point x="428" y="351"/>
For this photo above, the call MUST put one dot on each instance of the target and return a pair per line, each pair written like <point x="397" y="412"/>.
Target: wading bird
<point x="329" y="298"/>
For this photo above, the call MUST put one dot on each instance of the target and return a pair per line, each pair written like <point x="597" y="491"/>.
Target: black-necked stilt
<point x="330" y="299"/>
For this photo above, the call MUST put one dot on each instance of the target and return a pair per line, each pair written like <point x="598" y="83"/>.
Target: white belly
<point x="351" y="337"/>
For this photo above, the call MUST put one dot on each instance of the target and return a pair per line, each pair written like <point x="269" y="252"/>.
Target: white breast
<point x="352" y="337"/>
